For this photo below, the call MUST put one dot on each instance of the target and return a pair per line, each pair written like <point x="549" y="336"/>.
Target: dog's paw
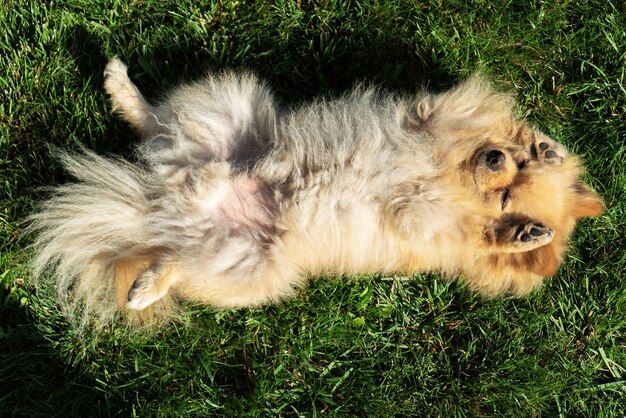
<point x="115" y="76"/>
<point x="522" y="235"/>
<point x="146" y="289"/>
<point x="115" y="69"/>
<point x="547" y="150"/>
<point x="533" y="234"/>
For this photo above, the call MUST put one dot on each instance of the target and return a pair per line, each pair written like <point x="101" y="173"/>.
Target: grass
<point x="367" y="346"/>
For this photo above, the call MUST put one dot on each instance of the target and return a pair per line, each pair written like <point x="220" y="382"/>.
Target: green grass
<point x="367" y="346"/>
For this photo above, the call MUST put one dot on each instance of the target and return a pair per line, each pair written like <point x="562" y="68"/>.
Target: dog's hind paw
<point x="149" y="286"/>
<point x="115" y="76"/>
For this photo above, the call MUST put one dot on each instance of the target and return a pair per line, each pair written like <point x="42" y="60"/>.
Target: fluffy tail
<point x="90" y="238"/>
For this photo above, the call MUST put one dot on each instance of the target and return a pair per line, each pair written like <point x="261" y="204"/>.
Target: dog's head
<point x="540" y="182"/>
<point x="514" y="178"/>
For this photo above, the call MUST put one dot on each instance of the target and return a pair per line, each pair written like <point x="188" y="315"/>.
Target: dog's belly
<point x="333" y="240"/>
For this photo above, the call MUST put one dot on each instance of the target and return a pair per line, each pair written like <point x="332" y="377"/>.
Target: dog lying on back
<point x="236" y="202"/>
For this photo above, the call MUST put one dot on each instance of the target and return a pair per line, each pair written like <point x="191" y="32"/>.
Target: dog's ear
<point x="588" y="203"/>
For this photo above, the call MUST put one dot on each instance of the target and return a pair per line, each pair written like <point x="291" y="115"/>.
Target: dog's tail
<point x="90" y="238"/>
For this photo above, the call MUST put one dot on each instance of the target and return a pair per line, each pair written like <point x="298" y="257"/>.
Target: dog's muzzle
<point x="494" y="159"/>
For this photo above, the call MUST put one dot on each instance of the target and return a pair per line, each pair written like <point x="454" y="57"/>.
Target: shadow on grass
<point x="35" y="382"/>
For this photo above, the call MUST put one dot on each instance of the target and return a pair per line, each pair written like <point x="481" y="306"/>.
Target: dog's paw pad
<point x="549" y="152"/>
<point x="534" y="234"/>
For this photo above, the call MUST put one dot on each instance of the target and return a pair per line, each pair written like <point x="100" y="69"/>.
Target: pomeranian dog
<point x="235" y="201"/>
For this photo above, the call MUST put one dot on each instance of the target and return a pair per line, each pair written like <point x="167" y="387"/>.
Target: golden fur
<point x="236" y="202"/>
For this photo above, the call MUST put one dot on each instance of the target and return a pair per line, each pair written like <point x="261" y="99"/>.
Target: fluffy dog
<point x="235" y="202"/>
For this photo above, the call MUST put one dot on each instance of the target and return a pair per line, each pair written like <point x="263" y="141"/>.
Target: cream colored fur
<point x="236" y="201"/>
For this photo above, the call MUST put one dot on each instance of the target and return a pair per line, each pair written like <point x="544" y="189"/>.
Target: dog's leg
<point x="255" y="282"/>
<point x="514" y="273"/>
<point x="127" y="100"/>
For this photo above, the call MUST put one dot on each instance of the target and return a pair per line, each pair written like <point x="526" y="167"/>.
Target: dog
<point x="234" y="201"/>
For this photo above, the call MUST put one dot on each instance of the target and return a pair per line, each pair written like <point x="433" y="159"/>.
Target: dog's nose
<point x="494" y="159"/>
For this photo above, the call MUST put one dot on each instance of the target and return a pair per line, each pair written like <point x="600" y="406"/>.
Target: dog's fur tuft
<point x="84" y="229"/>
<point x="235" y="202"/>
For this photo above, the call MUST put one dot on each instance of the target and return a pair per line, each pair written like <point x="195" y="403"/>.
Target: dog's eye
<point x="504" y="198"/>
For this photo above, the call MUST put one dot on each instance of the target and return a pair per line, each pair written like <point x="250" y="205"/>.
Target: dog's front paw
<point x="522" y="235"/>
<point x="547" y="150"/>
<point x="533" y="234"/>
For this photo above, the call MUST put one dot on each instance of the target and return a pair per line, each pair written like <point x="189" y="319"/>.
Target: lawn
<point x="359" y="346"/>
